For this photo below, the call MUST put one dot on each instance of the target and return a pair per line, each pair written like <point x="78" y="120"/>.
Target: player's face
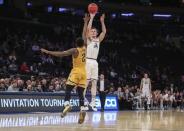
<point x="101" y="77"/>
<point x="145" y="75"/>
<point x="93" y="33"/>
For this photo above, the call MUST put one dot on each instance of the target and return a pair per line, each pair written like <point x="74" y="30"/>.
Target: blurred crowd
<point x="130" y="98"/>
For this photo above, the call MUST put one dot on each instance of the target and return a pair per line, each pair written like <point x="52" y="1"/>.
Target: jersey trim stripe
<point x="90" y="58"/>
<point x="72" y="82"/>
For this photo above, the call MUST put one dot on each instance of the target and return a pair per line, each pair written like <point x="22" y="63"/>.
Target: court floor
<point x="95" y="121"/>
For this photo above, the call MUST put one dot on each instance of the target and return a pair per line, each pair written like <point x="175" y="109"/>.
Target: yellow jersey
<point x="80" y="60"/>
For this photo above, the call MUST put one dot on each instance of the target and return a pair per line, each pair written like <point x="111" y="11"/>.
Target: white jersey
<point x="145" y="83"/>
<point x="93" y="47"/>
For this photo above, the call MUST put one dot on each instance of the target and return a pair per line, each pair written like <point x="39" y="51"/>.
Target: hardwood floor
<point x="95" y="121"/>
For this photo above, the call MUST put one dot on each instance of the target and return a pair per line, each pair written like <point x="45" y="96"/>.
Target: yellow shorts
<point x="77" y="77"/>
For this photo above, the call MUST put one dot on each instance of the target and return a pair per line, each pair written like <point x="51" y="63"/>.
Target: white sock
<point x="67" y="103"/>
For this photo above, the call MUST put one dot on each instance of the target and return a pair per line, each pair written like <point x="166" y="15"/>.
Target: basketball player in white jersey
<point x="90" y="34"/>
<point x="146" y="89"/>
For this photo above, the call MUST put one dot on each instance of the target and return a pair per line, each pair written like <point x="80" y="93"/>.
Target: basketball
<point x="92" y="8"/>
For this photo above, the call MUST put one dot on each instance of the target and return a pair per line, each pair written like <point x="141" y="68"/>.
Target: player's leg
<point x="84" y="93"/>
<point x="148" y="96"/>
<point x="82" y="113"/>
<point x="94" y="77"/>
<point x="143" y="95"/>
<point x="80" y="89"/>
<point x="103" y="101"/>
<point x="93" y="94"/>
<point x="71" y="83"/>
<point x="88" y="74"/>
<point x="67" y="106"/>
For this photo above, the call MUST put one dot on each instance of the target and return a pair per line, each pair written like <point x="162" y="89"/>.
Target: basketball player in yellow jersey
<point x="77" y="76"/>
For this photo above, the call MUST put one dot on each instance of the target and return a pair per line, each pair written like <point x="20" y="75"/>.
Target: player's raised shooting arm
<point x="84" y="32"/>
<point x="103" y="33"/>
<point x="90" y="23"/>
<point x="69" y="52"/>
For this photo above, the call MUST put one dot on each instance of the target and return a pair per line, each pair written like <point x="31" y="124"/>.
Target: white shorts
<point x="145" y="93"/>
<point x="92" y="69"/>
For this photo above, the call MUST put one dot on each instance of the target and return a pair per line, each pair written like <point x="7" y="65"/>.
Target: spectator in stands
<point x="178" y="99"/>
<point x="34" y="68"/>
<point x="13" y="87"/>
<point x="111" y="91"/>
<point x="171" y="100"/>
<point x="138" y="98"/>
<point x="29" y="88"/>
<point x="33" y="85"/>
<point x="44" y="85"/>
<point x="51" y="88"/>
<point x="2" y="85"/>
<point x="166" y="99"/>
<point x="20" y="85"/>
<point x="24" y="68"/>
<point x="119" y="94"/>
<point x="39" y="88"/>
<point x="7" y="83"/>
<point x="13" y="68"/>
<point x="127" y="100"/>
<point x="12" y="58"/>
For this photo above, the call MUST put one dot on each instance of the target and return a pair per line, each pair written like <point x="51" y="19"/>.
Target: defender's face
<point x="93" y="33"/>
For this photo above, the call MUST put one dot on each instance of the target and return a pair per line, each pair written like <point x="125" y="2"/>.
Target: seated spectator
<point x="138" y="99"/>
<point x="20" y="85"/>
<point x="13" y="87"/>
<point x="44" y="85"/>
<point x="39" y="88"/>
<point x="13" y="68"/>
<point x="34" y="68"/>
<point x="29" y="88"/>
<point x="7" y="83"/>
<point x="127" y="100"/>
<point x="178" y="100"/>
<point x="24" y="68"/>
<point x="111" y="91"/>
<point x="12" y="58"/>
<point x="51" y="88"/>
<point x="165" y="99"/>
<point x="119" y="94"/>
<point x="171" y="99"/>
<point x="2" y="85"/>
<point x="33" y="85"/>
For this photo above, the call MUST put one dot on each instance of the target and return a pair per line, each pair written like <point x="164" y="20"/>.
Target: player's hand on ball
<point x="44" y="51"/>
<point x="102" y="18"/>
<point x="86" y="17"/>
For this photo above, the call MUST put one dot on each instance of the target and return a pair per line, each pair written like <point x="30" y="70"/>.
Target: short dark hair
<point x="79" y="42"/>
<point x="94" y="28"/>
